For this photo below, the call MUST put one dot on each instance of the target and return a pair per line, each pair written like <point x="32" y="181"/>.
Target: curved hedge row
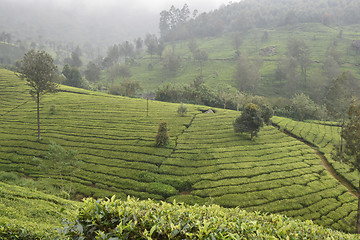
<point x="324" y="135"/>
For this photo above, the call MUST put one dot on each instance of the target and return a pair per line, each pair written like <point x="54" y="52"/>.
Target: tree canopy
<point x="250" y="121"/>
<point x="40" y="72"/>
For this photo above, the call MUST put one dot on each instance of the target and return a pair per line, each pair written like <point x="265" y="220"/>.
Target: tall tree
<point x="73" y="76"/>
<point x="172" y="20"/>
<point x="127" y="49"/>
<point x="201" y="56"/>
<point x="300" y="51"/>
<point x="40" y="72"/>
<point x="351" y="155"/>
<point x="124" y="71"/>
<point x="74" y="61"/>
<point x="171" y="61"/>
<point x="113" y="55"/>
<point x="226" y="93"/>
<point x="246" y="75"/>
<point x="338" y="96"/>
<point x="92" y="72"/>
<point x="151" y="43"/>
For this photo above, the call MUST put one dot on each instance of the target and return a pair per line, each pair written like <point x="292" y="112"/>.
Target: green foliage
<point x="133" y="219"/>
<point x="52" y="109"/>
<point x="92" y="72"/>
<point x="351" y="135"/>
<point x="338" y="96"/>
<point x="246" y="75"/>
<point x="162" y="189"/>
<point x="206" y="162"/>
<point x="249" y="121"/>
<point x="130" y="88"/>
<point x="8" y="177"/>
<point x="305" y="108"/>
<point x="14" y="232"/>
<point x="39" y="70"/>
<point x="266" y="113"/>
<point x="182" y="109"/>
<point x="29" y="214"/>
<point x="63" y="163"/>
<point x="162" y="137"/>
<point x="171" y="61"/>
<point x="73" y="77"/>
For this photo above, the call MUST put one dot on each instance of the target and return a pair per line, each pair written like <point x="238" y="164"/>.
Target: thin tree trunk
<point x="358" y="212"/>
<point x="38" y="114"/>
<point x="341" y="138"/>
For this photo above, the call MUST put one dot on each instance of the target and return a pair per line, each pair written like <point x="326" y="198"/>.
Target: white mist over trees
<point x="96" y="22"/>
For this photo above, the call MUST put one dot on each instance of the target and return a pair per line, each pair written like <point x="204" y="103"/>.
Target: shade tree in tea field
<point x="40" y="72"/>
<point x="249" y="121"/>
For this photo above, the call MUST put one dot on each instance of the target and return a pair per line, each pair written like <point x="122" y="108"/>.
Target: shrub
<point x="162" y="189"/>
<point x="134" y="219"/>
<point x="305" y="108"/>
<point x="249" y="121"/>
<point x="52" y="109"/>
<point x="8" y="177"/>
<point x="182" y="109"/>
<point x="115" y="89"/>
<point x="162" y="138"/>
<point x="13" y="231"/>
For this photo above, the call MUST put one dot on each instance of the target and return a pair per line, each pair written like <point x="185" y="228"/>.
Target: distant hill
<point x="249" y="14"/>
<point x="270" y="54"/>
<point x="205" y="162"/>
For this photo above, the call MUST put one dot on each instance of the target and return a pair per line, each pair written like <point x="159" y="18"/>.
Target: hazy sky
<point x="103" y="21"/>
<point x="150" y="5"/>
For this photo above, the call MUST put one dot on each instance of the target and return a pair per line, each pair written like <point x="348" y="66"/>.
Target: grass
<point x="205" y="161"/>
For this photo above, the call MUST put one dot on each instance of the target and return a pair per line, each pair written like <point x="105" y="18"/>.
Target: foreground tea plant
<point x="134" y="219"/>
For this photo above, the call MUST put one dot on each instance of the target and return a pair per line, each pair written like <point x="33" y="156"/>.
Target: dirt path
<point x="324" y="162"/>
<point x="332" y="171"/>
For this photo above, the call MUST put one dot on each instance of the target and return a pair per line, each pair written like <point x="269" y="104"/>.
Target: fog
<point x="98" y="22"/>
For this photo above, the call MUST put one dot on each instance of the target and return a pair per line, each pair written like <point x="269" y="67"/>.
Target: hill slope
<point x="204" y="162"/>
<point x="222" y="59"/>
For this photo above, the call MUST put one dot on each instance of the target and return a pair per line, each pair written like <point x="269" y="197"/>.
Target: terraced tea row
<point x="28" y="210"/>
<point x="204" y="162"/>
<point x="274" y="173"/>
<point x="325" y="136"/>
<point x="113" y="136"/>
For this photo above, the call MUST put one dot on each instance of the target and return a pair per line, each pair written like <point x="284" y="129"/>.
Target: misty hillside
<point x="250" y="14"/>
<point x="74" y="21"/>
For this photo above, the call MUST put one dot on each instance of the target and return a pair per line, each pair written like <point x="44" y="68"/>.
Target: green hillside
<point x="221" y="63"/>
<point x="326" y="137"/>
<point x="205" y="161"/>
<point x="31" y="214"/>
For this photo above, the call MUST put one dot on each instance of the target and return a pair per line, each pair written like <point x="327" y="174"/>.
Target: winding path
<point x="324" y="161"/>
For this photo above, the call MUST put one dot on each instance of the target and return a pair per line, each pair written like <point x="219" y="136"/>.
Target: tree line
<point x="178" y="24"/>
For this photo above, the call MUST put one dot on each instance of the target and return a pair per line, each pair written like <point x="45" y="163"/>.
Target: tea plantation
<point x="326" y="137"/>
<point x="29" y="214"/>
<point x="205" y="162"/>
